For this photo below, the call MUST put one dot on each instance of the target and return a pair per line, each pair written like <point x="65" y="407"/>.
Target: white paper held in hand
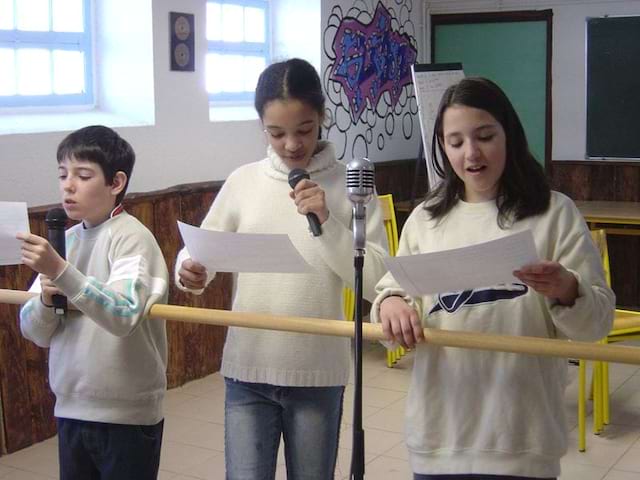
<point x="13" y="219"/>
<point x="242" y="252"/>
<point x="476" y="266"/>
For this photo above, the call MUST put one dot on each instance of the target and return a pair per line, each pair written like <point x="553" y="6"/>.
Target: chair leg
<point x="582" y="374"/>
<point x="597" y="398"/>
<point x="391" y="358"/>
<point x="605" y="393"/>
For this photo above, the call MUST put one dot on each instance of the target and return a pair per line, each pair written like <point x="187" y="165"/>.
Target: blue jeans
<point x="108" y="451"/>
<point x="308" y="418"/>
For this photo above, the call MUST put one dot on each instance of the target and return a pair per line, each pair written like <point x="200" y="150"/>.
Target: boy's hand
<point x="400" y="322"/>
<point x="193" y="275"/>
<point x="550" y="279"/>
<point x="310" y="198"/>
<point x="39" y="255"/>
<point x="48" y="290"/>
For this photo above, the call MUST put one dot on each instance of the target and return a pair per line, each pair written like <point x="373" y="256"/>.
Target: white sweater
<point x="107" y="362"/>
<point x="255" y="199"/>
<point x="480" y="412"/>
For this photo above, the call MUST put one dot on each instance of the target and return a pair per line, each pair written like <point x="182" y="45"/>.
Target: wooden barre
<point x="446" y="338"/>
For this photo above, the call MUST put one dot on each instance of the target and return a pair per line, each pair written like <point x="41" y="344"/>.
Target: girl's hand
<point x="48" y="290"/>
<point x="39" y="255"/>
<point x="309" y="198"/>
<point x="550" y="279"/>
<point x="400" y="322"/>
<point x="193" y="275"/>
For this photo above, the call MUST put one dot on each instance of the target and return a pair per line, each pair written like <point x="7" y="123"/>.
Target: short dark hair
<point x="291" y="79"/>
<point x="523" y="189"/>
<point x="101" y="145"/>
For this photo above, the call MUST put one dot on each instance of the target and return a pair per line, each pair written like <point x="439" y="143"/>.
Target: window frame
<point x="241" y="48"/>
<point x="49" y="40"/>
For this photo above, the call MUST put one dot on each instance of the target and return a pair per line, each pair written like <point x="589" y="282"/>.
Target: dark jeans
<point x="108" y="451"/>
<point x="417" y="476"/>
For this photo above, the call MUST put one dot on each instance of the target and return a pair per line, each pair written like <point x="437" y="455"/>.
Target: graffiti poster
<point x="369" y="48"/>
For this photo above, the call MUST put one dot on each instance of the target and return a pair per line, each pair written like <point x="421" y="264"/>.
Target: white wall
<point x="296" y="34"/>
<point x="183" y="146"/>
<point x="568" y="63"/>
<point x="124" y="70"/>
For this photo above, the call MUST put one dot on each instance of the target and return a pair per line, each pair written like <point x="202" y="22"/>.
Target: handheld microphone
<point x="295" y="176"/>
<point x="56" y="221"/>
<point x="360" y="188"/>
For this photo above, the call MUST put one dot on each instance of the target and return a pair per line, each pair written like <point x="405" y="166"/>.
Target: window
<point x="237" y="33"/>
<point x="45" y="53"/>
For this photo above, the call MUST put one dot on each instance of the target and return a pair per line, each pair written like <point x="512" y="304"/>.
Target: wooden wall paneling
<point x="14" y="385"/>
<point x="602" y="182"/>
<point x="201" y="345"/>
<point x="41" y="399"/>
<point x="166" y="211"/>
<point x="142" y="209"/>
<point x="572" y="180"/>
<point x="26" y="397"/>
<point x="624" y="258"/>
<point x="195" y="205"/>
<point x="627" y="183"/>
<point x="397" y="178"/>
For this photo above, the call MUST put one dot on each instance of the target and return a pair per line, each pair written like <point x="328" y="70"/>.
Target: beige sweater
<point x="107" y="361"/>
<point x="480" y="412"/>
<point x="255" y="199"/>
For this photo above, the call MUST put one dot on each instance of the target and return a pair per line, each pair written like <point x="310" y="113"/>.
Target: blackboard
<point x="613" y="88"/>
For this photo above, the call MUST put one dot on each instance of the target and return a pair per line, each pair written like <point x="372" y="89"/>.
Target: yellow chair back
<point x="599" y="237"/>
<point x="389" y="219"/>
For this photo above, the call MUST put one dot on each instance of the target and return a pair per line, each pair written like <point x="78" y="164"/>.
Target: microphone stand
<point x="357" y="455"/>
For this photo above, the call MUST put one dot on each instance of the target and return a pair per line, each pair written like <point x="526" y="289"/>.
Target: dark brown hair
<point x="523" y="189"/>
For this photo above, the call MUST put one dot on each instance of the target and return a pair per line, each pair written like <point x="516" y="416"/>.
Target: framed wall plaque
<point x="181" y="41"/>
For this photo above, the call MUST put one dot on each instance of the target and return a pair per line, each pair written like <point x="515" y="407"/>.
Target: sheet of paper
<point x="242" y="252"/>
<point x="476" y="266"/>
<point x="13" y="219"/>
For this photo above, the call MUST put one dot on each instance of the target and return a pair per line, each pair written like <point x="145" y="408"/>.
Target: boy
<point x="107" y="362"/>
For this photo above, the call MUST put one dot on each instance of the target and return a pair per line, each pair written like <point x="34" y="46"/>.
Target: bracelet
<point x="42" y="302"/>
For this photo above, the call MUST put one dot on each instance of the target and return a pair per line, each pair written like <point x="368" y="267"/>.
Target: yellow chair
<point x="348" y="295"/>
<point x="626" y="326"/>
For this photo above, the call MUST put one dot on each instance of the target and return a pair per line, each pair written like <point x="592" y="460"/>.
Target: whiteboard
<point x="429" y="82"/>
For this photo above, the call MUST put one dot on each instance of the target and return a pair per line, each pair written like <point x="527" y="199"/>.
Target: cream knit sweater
<point x="480" y="412"/>
<point x="255" y="199"/>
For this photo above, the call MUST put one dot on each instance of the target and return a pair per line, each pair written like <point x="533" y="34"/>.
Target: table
<point x="612" y="216"/>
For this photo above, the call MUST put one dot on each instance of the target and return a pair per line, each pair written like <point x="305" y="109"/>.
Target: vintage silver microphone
<point x="360" y="187"/>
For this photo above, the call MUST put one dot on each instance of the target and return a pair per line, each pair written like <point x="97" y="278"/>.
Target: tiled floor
<point x="194" y="433"/>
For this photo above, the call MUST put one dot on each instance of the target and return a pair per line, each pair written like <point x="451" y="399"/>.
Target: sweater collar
<point x="323" y="160"/>
<point x="477" y="208"/>
<point x="95" y="231"/>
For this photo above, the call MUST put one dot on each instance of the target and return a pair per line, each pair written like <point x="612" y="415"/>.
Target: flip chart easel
<point x="429" y="82"/>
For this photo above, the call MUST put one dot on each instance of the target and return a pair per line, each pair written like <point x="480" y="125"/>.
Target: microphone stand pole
<point x="357" y="456"/>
